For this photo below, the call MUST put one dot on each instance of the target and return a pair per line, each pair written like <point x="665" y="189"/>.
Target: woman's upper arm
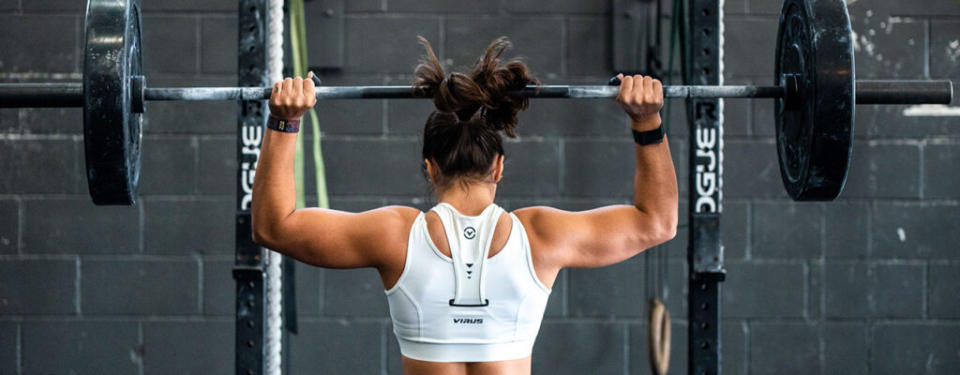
<point x="594" y="238"/>
<point x="338" y="239"/>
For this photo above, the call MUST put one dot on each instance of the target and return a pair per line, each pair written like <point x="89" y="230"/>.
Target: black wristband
<point x="649" y="137"/>
<point x="286" y="126"/>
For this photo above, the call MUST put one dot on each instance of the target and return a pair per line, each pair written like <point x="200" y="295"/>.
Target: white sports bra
<point x="467" y="308"/>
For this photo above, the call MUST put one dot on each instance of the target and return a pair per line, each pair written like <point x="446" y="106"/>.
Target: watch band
<point x="649" y="137"/>
<point x="286" y="126"/>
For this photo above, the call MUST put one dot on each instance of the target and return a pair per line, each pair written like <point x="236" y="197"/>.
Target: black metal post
<point x="705" y="251"/>
<point x="249" y="268"/>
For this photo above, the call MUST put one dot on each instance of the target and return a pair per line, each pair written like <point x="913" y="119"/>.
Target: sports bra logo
<point x="468" y="320"/>
<point x="469" y="233"/>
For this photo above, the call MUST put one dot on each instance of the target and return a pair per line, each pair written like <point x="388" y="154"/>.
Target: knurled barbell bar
<point x="815" y="94"/>
<point x="59" y="95"/>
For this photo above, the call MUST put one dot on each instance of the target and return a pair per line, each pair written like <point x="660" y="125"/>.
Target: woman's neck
<point x="469" y="199"/>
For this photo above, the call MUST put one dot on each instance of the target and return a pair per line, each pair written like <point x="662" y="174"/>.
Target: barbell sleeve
<point x="41" y="95"/>
<point x="904" y="92"/>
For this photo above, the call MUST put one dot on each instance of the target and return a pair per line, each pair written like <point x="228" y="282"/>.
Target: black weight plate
<point x="815" y="122"/>
<point x="111" y="131"/>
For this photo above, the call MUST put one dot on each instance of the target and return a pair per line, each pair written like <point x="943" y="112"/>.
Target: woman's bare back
<point x="513" y="367"/>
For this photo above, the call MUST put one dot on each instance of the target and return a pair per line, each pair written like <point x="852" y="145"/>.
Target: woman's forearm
<point x="274" y="190"/>
<point x="655" y="181"/>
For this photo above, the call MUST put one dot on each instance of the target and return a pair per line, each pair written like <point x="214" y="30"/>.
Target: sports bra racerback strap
<point x="469" y="238"/>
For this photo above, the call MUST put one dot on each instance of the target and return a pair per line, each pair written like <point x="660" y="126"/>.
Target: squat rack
<point x="705" y="197"/>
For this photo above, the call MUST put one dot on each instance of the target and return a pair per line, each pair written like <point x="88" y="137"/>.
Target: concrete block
<point x="38" y="287"/>
<point x="408" y="117"/>
<point x="898" y="233"/>
<point x="884" y="171"/>
<point x="559" y="301"/>
<point x="76" y="226"/>
<point x="201" y="347"/>
<point x="887" y="47"/>
<point x="786" y="230"/>
<point x="169" y="166"/>
<point x="737" y="116"/>
<point x="587" y="348"/>
<point x="173" y="45"/>
<point x="366" y="6"/>
<point x="354" y="293"/>
<point x="140" y="287"/>
<point x="181" y="117"/>
<point x="188" y="227"/>
<point x="9" y="226"/>
<point x="21" y="159"/>
<point x="860" y="290"/>
<point x="80" y="347"/>
<point x="218" y="45"/>
<point x="9" y="348"/>
<point x="531" y="168"/>
<point x="845" y="348"/>
<point x="734" y="230"/>
<point x="7" y="5"/>
<point x="356" y="117"/>
<point x="944" y="49"/>
<point x="845" y="230"/>
<point x="735" y="347"/>
<point x="764" y="290"/>
<point x="899" y="348"/>
<point x="558" y="117"/>
<point x="54" y="5"/>
<point x="49" y="121"/>
<point x="761" y="7"/>
<point x="217" y="166"/>
<point x="442" y="6"/>
<point x="387" y="45"/>
<point x="388" y="167"/>
<point x="586" y="55"/>
<point x="784" y="348"/>
<point x="623" y="286"/>
<point x="53" y="50"/>
<point x="751" y="170"/>
<point x="939" y="178"/>
<point x="338" y="347"/>
<point x="749" y="46"/>
<point x="598" y="168"/>
<point x="537" y="40"/>
<point x="210" y="5"/>
<point x="941" y="290"/>
<point x="563" y="6"/>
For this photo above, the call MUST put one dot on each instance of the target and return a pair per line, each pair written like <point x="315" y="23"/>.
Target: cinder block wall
<point x="865" y="285"/>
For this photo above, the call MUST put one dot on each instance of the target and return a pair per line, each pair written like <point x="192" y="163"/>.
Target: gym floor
<point x="864" y="285"/>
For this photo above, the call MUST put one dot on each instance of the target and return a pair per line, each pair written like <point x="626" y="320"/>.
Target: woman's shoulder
<point x="398" y="214"/>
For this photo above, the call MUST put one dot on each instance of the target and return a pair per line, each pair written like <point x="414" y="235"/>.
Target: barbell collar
<point x="904" y="92"/>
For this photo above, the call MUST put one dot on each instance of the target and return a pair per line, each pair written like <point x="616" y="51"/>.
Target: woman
<point x="466" y="282"/>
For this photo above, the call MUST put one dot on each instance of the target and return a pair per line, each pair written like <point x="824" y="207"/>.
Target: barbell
<point x="815" y="91"/>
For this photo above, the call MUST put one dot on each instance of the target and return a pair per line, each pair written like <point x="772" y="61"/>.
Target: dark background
<point x="863" y="285"/>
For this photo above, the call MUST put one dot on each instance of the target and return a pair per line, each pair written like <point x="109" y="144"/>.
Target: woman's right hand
<point x="293" y="97"/>
<point x="642" y="98"/>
